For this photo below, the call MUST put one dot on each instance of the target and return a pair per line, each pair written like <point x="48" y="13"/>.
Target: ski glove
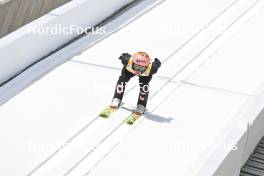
<point x="125" y="58"/>
<point x="157" y="62"/>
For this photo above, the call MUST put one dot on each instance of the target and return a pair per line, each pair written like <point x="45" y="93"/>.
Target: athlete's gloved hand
<point x="157" y="61"/>
<point x="124" y="58"/>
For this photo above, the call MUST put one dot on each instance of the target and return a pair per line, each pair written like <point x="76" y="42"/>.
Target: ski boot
<point x="115" y="103"/>
<point x="111" y="108"/>
<point x="136" y="115"/>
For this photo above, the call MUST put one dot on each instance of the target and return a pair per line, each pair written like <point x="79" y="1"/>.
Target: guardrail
<point x="23" y="47"/>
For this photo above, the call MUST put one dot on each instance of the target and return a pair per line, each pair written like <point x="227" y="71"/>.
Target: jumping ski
<point x="107" y="112"/>
<point x="132" y="118"/>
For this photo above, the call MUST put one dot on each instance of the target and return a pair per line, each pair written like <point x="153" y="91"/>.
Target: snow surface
<point x="51" y="128"/>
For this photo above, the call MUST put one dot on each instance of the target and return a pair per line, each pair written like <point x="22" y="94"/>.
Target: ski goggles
<point x="139" y="68"/>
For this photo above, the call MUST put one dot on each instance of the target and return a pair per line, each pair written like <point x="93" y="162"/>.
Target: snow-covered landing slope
<point x="54" y="122"/>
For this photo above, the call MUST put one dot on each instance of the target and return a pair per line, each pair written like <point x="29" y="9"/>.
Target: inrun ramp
<point x="212" y="65"/>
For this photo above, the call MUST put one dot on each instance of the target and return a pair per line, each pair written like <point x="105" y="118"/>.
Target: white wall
<point x="253" y="120"/>
<point x="22" y="48"/>
<point x="245" y="132"/>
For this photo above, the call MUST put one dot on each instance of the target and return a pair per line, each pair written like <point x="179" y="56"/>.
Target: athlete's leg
<point x="121" y="83"/>
<point x="144" y="90"/>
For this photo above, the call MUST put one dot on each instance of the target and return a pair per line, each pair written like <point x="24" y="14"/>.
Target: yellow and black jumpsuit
<point x="144" y="78"/>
